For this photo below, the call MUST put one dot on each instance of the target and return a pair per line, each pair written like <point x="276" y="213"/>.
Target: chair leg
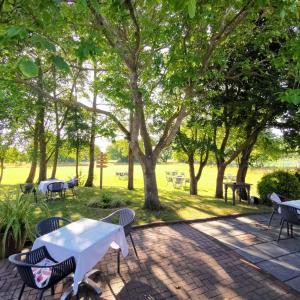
<point x="292" y="233"/>
<point x="280" y="230"/>
<point x="119" y="251"/>
<point x="133" y="245"/>
<point x="288" y="228"/>
<point x="41" y="295"/>
<point x="271" y="217"/>
<point x="21" y="292"/>
<point x="52" y="290"/>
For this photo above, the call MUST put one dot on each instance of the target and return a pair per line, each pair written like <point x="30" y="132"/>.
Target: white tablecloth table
<point x="293" y="203"/>
<point x="87" y="240"/>
<point x="43" y="185"/>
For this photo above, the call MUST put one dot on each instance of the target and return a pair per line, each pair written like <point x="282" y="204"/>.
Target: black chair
<point x="26" y="262"/>
<point x="55" y="188"/>
<point x="290" y="216"/>
<point x="124" y="217"/>
<point x="72" y="184"/>
<point x="50" y="224"/>
<point x="28" y="188"/>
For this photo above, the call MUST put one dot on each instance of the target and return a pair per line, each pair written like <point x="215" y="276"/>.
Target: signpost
<point x="101" y="163"/>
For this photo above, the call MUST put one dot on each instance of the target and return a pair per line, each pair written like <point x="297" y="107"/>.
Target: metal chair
<point x="276" y="201"/>
<point x="290" y="216"/>
<point x="72" y="184"/>
<point x="28" y="188"/>
<point x="50" y="224"/>
<point x="124" y="217"/>
<point x="55" y="187"/>
<point x="28" y="261"/>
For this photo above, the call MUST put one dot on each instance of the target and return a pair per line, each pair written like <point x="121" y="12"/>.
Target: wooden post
<point x="101" y="163"/>
<point x="101" y="174"/>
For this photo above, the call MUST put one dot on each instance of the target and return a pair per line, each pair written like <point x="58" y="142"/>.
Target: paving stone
<point x="294" y="283"/>
<point x="253" y="254"/>
<point x="271" y="249"/>
<point x="280" y="269"/>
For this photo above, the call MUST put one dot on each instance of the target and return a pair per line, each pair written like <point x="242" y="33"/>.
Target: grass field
<point x="177" y="203"/>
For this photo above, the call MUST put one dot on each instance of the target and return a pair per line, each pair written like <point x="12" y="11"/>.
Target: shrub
<point x="283" y="183"/>
<point x="105" y="201"/>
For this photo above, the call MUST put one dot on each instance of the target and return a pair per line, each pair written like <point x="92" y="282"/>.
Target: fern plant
<point x="17" y="221"/>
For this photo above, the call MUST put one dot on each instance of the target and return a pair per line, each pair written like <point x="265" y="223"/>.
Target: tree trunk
<point x="55" y="158"/>
<point x="1" y="168"/>
<point x="34" y="159"/>
<point x="150" y="185"/>
<point x="41" y="127"/>
<point x="193" y="179"/>
<point x="90" y="179"/>
<point x="77" y="161"/>
<point x="130" y="168"/>
<point x="220" y="178"/>
<point x="243" y="168"/>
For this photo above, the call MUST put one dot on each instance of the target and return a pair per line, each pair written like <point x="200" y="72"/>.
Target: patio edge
<point x="215" y="218"/>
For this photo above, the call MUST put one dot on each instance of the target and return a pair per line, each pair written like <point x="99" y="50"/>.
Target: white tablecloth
<point x="293" y="203"/>
<point x="87" y="240"/>
<point x="43" y="185"/>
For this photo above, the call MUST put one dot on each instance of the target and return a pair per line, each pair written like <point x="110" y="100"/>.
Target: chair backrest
<point x="26" y="261"/>
<point x="179" y="179"/>
<point x="125" y="217"/>
<point x="26" y="188"/>
<point x="290" y="214"/>
<point x="75" y="181"/>
<point x="55" y="187"/>
<point x="50" y="224"/>
<point x="275" y="198"/>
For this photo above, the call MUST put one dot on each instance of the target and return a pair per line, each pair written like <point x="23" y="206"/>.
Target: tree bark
<point x="193" y="179"/>
<point x="34" y="159"/>
<point x="130" y="159"/>
<point x="77" y="161"/>
<point x="220" y="178"/>
<point x="57" y="143"/>
<point x="150" y="185"/>
<point x="90" y="179"/>
<point x="41" y="127"/>
<point x="1" y="168"/>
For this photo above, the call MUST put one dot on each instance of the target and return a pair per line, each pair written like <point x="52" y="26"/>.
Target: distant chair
<point x="40" y="271"/>
<point x="290" y="216"/>
<point x="178" y="181"/>
<point x="124" y="217"/>
<point x="276" y="201"/>
<point x="28" y="188"/>
<point x="72" y="184"/>
<point x="55" y="188"/>
<point x="50" y="224"/>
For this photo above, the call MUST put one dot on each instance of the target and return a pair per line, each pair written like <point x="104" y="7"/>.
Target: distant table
<point x="87" y="240"/>
<point x="43" y="185"/>
<point x="237" y="186"/>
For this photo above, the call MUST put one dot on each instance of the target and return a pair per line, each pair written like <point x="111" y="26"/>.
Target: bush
<point x="280" y="182"/>
<point x="106" y="201"/>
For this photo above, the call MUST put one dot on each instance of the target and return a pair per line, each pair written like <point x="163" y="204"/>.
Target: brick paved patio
<point x="176" y="262"/>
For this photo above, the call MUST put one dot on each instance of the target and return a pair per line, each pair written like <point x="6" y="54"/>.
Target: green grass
<point x="177" y="204"/>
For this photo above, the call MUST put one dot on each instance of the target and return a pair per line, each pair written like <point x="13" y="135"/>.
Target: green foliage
<point x="280" y="182"/>
<point x="292" y="96"/>
<point x="28" y="67"/>
<point x="16" y="220"/>
<point x="106" y="201"/>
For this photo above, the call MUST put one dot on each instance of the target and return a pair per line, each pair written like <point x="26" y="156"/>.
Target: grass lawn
<point x="177" y="203"/>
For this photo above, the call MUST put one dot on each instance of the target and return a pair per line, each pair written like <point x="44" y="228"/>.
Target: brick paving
<point x="175" y="262"/>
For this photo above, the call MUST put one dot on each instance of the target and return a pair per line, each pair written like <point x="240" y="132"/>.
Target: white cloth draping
<point x="87" y="240"/>
<point x="43" y="185"/>
<point x="293" y="203"/>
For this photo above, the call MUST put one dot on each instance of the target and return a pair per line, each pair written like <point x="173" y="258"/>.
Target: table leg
<point x="92" y="285"/>
<point x="226" y="193"/>
<point x="248" y="195"/>
<point x="233" y="196"/>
